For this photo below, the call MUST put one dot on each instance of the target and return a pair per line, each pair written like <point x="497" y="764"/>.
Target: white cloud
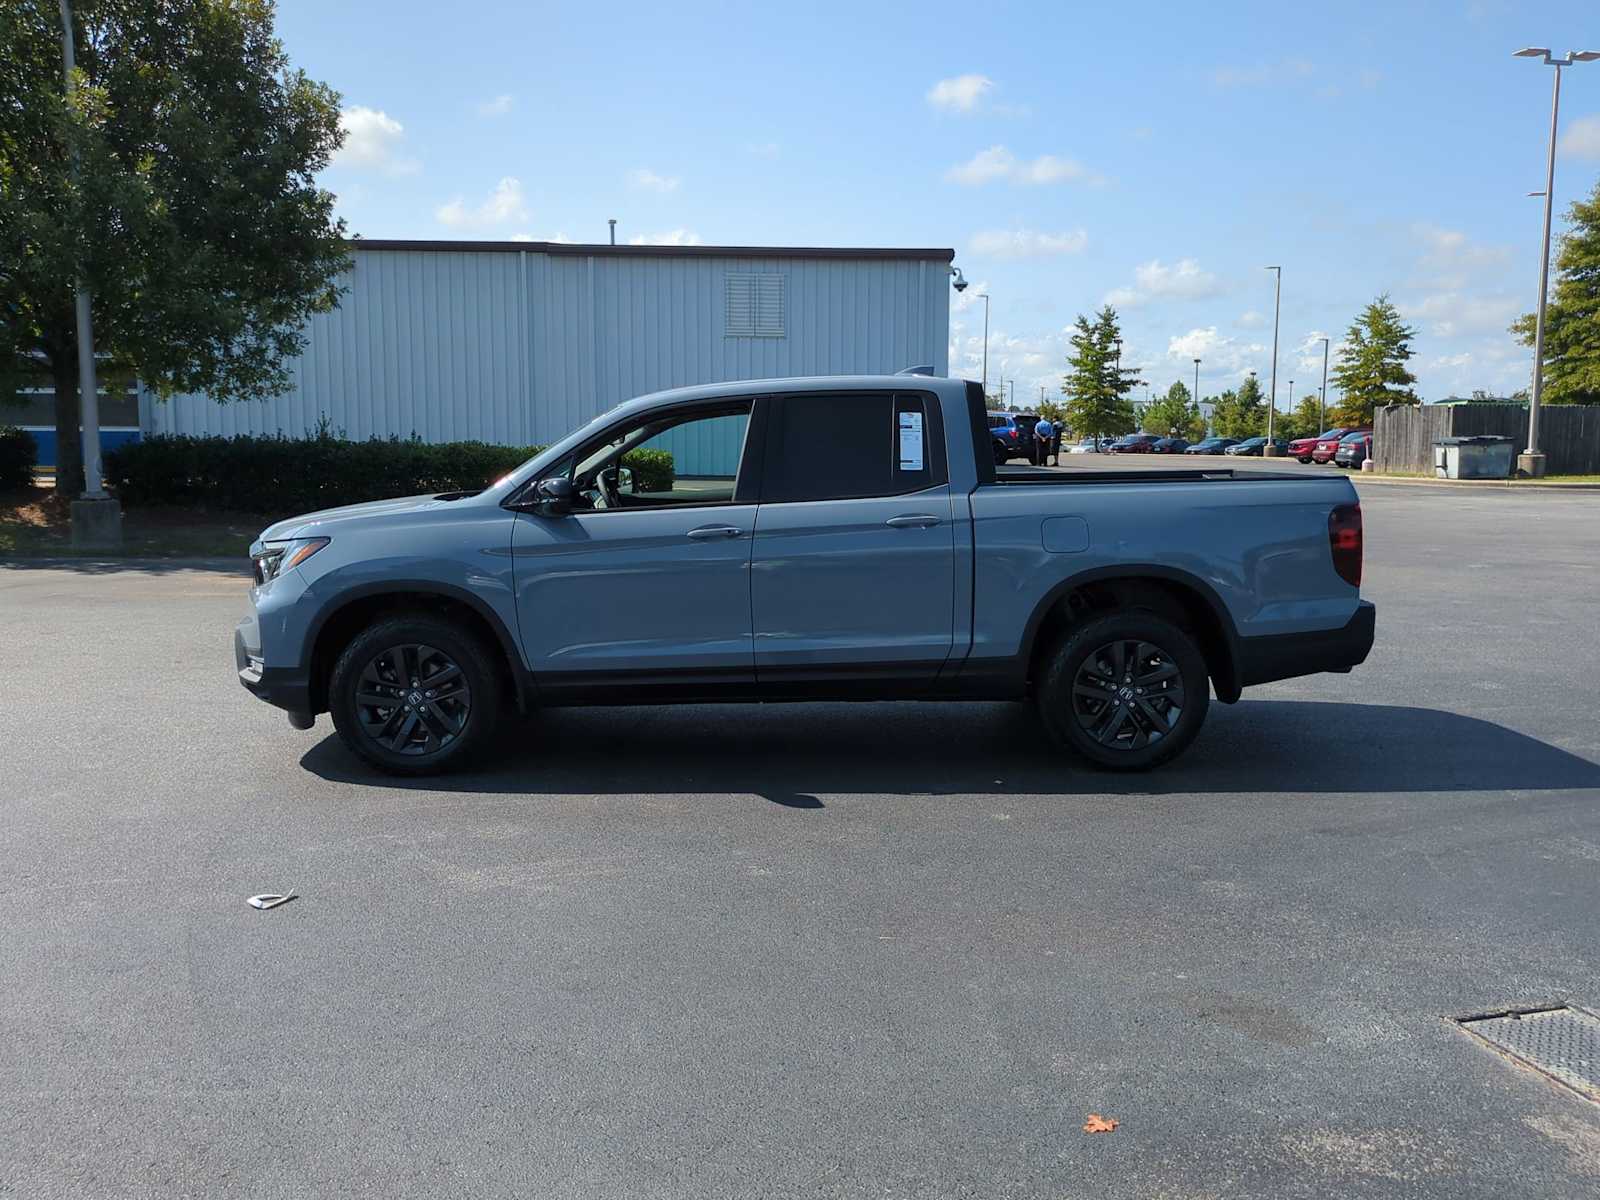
<point x="1262" y="74"/>
<point x="997" y="163"/>
<point x="1024" y="243"/>
<point x="559" y="238"/>
<point x="504" y="206"/>
<point x="498" y="107"/>
<point x="1582" y="138"/>
<point x="1455" y="314"/>
<point x="1154" y="280"/>
<point x="961" y="93"/>
<point x="1219" y="352"/>
<point x="373" y="141"/>
<point x="1250" y="320"/>
<point x="647" y="180"/>
<point x="672" y="237"/>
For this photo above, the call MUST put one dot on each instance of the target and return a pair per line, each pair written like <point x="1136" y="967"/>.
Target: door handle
<point x="912" y="521"/>
<point x="707" y="532"/>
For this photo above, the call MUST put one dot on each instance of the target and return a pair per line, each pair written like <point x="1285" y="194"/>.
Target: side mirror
<point x="554" y="496"/>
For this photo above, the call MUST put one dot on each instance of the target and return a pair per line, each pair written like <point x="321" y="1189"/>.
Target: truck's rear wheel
<point x="1128" y="690"/>
<point x="414" y="694"/>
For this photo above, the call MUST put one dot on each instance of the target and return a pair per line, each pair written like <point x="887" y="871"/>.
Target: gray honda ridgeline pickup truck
<point x="812" y="539"/>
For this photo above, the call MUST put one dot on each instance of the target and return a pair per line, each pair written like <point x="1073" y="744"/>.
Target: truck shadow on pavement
<point x="792" y="754"/>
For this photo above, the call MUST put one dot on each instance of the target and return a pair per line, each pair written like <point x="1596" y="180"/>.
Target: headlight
<point x="278" y="557"/>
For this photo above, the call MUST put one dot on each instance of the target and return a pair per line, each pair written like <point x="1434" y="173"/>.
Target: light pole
<point x="1269" y="450"/>
<point x="1197" y="392"/>
<point x="1322" y="396"/>
<point x="984" y="296"/>
<point x="96" y="517"/>
<point x="1532" y="460"/>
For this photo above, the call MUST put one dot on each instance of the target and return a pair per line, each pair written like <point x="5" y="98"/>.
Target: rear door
<point x="853" y="567"/>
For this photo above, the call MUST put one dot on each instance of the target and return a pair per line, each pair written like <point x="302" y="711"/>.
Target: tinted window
<point x="840" y="446"/>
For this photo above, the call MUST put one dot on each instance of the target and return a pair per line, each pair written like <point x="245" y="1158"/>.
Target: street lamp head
<point x="959" y="282"/>
<point x="1585" y="55"/>
<point x="1533" y="52"/>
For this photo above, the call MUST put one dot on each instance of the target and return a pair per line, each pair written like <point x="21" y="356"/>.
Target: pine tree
<point x="1372" y="364"/>
<point x="1572" y="315"/>
<point x="1096" y="384"/>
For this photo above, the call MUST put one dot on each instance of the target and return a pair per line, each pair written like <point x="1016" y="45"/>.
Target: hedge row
<point x="18" y="455"/>
<point x="291" y="475"/>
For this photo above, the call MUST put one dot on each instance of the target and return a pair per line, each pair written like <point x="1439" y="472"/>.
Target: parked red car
<point x="1304" y="448"/>
<point x="1134" y="443"/>
<point x="1327" y="446"/>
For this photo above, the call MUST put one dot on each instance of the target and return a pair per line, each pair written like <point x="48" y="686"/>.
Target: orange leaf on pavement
<point x="1098" y="1124"/>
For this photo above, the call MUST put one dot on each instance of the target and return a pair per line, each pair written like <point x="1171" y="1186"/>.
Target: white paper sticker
<point x="911" y="441"/>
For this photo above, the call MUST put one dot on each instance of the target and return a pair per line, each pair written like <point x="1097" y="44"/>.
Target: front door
<point x="646" y="580"/>
<point x="853" y="570"/>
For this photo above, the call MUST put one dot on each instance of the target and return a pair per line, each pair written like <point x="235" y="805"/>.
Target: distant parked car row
<point x="1343" y="447"/>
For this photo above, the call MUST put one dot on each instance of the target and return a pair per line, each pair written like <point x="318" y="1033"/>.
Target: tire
<point x="1000" y="455"/>
<point x="1304" y="461"/>
<point x="1087" y="654"/>
<point x="398" y="739"/>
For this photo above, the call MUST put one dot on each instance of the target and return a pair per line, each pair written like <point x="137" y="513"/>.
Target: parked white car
<point x="1091" y="445"/>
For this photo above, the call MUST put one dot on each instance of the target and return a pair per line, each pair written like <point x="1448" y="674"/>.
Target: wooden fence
<point x="1403" y="437"/>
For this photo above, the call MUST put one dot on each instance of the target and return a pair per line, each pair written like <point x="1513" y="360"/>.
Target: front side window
<point x="662" y="461"/>
<point x="844" y="446"/>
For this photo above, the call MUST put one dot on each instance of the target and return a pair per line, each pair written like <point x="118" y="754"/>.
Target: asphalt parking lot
<point x="887" y="950"/>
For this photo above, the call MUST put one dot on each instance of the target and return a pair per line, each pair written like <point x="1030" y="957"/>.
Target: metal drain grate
<point x="1562" y="1042"/>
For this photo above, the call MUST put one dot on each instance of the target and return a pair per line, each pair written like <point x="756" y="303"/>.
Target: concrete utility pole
<point x="1532" y="460"/>
<point x="1269" y="450"/>
<point x="96" y="517"/>
<point x="1322" y="396"/>
<point x="1197" y="392"/>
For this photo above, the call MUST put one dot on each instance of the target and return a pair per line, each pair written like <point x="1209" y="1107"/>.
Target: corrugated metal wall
<point x="521" y="346"/>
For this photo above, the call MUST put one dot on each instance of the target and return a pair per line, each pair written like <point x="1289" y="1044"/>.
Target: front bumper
<point x="283" y="687"/>
<point x="1287" y="655"/>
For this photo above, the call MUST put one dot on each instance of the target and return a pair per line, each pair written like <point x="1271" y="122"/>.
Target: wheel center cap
<point x="415" y="697"/>
<point x="1126" y="693"/>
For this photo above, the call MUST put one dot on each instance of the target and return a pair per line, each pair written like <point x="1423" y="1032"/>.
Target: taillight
<point x="1013" y="435"/>
<point x="1344" y="536"/>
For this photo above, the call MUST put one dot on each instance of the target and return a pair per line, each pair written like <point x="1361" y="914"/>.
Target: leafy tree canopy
<point x="1372" y="372"/>
<point x="1572" y="315"/>
<point x="193" y="215"/>
<point x="1096" y="384"/>
<point x="1241" y="413"/>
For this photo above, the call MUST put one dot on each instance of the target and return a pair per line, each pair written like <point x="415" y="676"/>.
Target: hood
<point x="313" y="524"/>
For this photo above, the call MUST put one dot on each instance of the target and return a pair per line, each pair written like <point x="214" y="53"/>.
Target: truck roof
<point x="805" y="383"/>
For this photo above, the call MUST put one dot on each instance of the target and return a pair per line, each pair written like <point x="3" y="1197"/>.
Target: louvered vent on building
<point x="755" y="305"/>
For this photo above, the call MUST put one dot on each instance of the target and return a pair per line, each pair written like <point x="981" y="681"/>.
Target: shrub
<point x="18" y="456"/>
<point x="279" y="474"/>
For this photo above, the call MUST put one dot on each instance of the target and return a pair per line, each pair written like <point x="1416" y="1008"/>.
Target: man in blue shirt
<point x="1044" y="442"/>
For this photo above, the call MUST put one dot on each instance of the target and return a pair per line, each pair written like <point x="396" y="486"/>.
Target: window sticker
<point x="910" y="441"/>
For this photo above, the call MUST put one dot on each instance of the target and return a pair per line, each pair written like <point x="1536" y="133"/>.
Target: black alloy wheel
<point x="1128" y="694"/>
<point x="414" y="700"/>
<point x="416" y="693"/>
<point x="1128" y="690"/>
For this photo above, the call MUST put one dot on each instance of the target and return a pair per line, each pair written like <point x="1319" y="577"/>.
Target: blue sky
<point x="1156" y="154"/>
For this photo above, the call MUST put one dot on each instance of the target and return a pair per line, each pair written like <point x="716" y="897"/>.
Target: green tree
<point x="1096" y="384"/>
<point x="1372" y="369"/>
<point x="194" y="215"/>
<point x="1572" y="314"/>
<point x="1242" y="413"/>
<point x="1304" y="421"/>
<point x="1170" y="413"/>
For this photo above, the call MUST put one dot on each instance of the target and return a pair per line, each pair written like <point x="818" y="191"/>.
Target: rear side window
<point x="848" y="446"/>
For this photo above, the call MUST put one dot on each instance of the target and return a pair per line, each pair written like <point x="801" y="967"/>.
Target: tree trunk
<point x="69" y="438"/>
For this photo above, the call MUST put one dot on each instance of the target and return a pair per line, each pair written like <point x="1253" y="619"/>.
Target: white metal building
<point x="519" y="342"/>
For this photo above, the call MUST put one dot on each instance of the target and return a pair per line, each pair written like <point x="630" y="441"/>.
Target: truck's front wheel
<point x="414" y="694"/>
<point x="1128" y="690"/>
